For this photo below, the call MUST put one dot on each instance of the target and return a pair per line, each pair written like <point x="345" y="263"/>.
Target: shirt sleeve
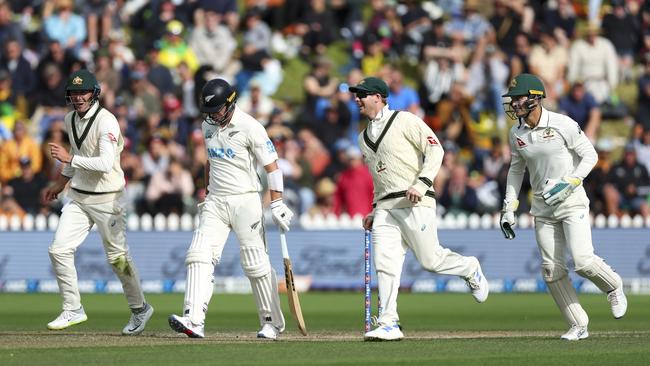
<point x="426" y="141"/>
<point x="515" y="172"/>
<point x="263" y="147"/>
<point x="580" y="144"/>
<point x="109" y="133"/>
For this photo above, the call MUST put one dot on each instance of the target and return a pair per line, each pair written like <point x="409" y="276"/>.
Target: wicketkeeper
<point x="559" y="156"/>
<point x="92" y="166"/>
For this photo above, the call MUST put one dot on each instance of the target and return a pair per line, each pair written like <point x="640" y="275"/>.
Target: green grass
<point x="509" y="329"/>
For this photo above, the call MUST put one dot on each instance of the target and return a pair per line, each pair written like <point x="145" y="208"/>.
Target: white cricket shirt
<point x="233" y="154"/>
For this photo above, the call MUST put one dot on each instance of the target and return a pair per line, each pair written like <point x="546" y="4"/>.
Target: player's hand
<point x="281" y="214"/>
<point x="507" y="221"/>
<point x="367" y="221"/>
<point x="556" y="191"/>
<point x="413" y="195"/>
<point x="51" y="193"/>
<point x="59" y="153"/>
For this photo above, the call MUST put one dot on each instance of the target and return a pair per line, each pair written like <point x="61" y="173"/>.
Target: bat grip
<point x="283" y="244"/>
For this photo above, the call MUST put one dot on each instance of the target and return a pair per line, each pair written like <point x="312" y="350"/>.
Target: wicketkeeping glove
<point x="281" y="214"/>
<point x="508" y="218"/>
<point x="556" y="191"/>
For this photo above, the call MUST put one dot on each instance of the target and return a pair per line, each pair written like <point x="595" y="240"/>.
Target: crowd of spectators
<point x="448" y="61"/>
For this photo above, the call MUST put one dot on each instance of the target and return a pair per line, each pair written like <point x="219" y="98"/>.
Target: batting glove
<point x="508" y="218"/>
<point x="281" y="214"/>
<point x="556" y="191"/>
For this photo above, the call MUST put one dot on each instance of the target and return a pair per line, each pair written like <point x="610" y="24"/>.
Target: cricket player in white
<point x="92" y="166"/>
<point x="559" y="156"/>
<point x="235" y="143"/>
<point x="404" y="156"/>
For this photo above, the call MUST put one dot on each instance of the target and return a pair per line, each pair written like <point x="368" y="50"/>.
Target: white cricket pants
<point x="396" y="230"/>
<point x="74" y="225"/>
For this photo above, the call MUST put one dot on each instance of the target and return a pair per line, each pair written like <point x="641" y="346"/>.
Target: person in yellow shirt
<point x="174" y="50"/>
<point x="21" y="145"/>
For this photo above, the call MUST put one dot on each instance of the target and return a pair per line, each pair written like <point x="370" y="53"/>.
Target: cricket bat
<point x="294" y="302"/>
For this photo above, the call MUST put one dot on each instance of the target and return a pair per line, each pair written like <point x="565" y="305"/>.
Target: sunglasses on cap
<point x="362" y="95"/>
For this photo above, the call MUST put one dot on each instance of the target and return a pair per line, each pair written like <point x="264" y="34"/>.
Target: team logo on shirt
<point x="520" y="143"/>
<point x="270" y="147"/>
<point x="432" y="140"/>
<point x="548" y="133"/>
<point x="208" y="135"/>
<point x="381" y="166"/>
<point x="112" y="137"/>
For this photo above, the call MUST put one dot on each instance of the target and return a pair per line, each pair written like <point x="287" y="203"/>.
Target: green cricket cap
<point x="82" y="80"/>
<point x="525" y="84"/>
<point x="371" y="85"/>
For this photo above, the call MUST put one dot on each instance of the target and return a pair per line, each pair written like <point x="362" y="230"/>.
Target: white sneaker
<point x="618" y="302"/>
<point x="138" y="321"/>
<point x="478" y="284"/>
<point x="68" y="318"/>
<point x="182" y="324"/>
<point x="575" y="333"/>
<point x="268" y="331"/>
<point x="384" y="333"/>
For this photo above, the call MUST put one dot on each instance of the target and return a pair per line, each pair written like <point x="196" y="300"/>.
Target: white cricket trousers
<point x="396" y="230"/>
<point x="74" y="225"/>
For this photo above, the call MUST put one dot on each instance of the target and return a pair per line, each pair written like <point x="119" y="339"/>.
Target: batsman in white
<point x="235" y="142"/>
<point x="404" y="156"/>
<point x="558" y="156"/>
<point x="92" y="166"/>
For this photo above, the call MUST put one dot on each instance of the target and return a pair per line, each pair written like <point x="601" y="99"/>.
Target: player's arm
<point x="426" y="141"/>
<point x="513" y="186"/>
<point x="266" y="154"/>
<point x="52" y="191"/>
<point x="109" y="133"/>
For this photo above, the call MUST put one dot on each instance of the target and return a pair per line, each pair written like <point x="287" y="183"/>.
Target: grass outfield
<point x="441" y="329"/>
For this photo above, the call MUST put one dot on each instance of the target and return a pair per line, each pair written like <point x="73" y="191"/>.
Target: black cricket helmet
<point x="218" y="99"/>
<point x="82" y="80"/>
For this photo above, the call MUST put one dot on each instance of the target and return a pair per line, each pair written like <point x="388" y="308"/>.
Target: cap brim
<point x="357" y="89"/>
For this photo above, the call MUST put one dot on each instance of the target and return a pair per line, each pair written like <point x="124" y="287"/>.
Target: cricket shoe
<point x="385" y="333"/>
<point x="269" y="331"/>
<point x="478" y="284"/>
<point x="138" y="320"/>
<point x="68" y="318"/>
<point x="575" y="333"/>
<point x="182" y="324"/>
<point x="618" y="302"/>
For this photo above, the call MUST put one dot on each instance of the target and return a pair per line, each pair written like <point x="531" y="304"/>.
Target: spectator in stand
<point x="402" y="97"/>
<point x="256" y="46"/>
<point x="324" y="191"/>
<point x="317" y="29"/>
<point x="174" y="124"/>
<point x="582" y="108"/>
<point x="318" y="84"/>
<point x="99" y="16"/>
<point x="593" y="60"/>
<point x="55" y="134"/>
<point x="458" y="196"/>
<point x="256" y="103"/>
<point x="109" y="79"/>
<point x="548" y="60"/>
<point x="12" y="106"/>
<point x="603" y="197"/>
<point x="174" y="50"/>
<point x="642" y="148"/>
<point x="519" y="61"/>
<point x="354" y="187"/>
<point x="561" y="18"/>
<point x="622" y="29"/>
<point x="144" y="103"/>
<point x="643" y="96"/>
<point x="470" y="24"/>
<point x="215" y="45"/>
<point x="66" y="26"/>
<point x="227" y="10"/>
<point x="374" y="55"/>
<point x="27" y="187"/>
<point x="507" y="24"/>
<point x="170" y="190"/>
<point x="314" y="152"/>
<point x="8" y="205"/>
<point x="628" y="178"/>
<point x="21" y="146"/>
<point x="55" y="54"/>
<point x="332" y="126"/>
<point x="23" y="78"/>
<point x="156" y="158"/>
<point x="385" y="26"/>
<point x="9" y="29"/>
<point x="415" y="24"/>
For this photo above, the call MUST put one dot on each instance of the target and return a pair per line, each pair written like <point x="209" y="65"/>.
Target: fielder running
<point x="558" y="156"/>
<point x="96" y="187"/>
<point x="235" y="143"/>
<point x="404" y="156"/>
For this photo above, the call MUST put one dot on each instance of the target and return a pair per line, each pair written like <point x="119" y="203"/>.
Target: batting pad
<point x="601" y="274"/>
<point x="198" y="291"/>
<point x="567" y="301"/>
<point x="265" y="291"/>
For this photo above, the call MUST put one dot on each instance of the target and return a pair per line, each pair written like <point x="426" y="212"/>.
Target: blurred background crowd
<point x="292" y="61"/>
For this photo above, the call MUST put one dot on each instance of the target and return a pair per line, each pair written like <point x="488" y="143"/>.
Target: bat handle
<point x="283" y="244"/>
